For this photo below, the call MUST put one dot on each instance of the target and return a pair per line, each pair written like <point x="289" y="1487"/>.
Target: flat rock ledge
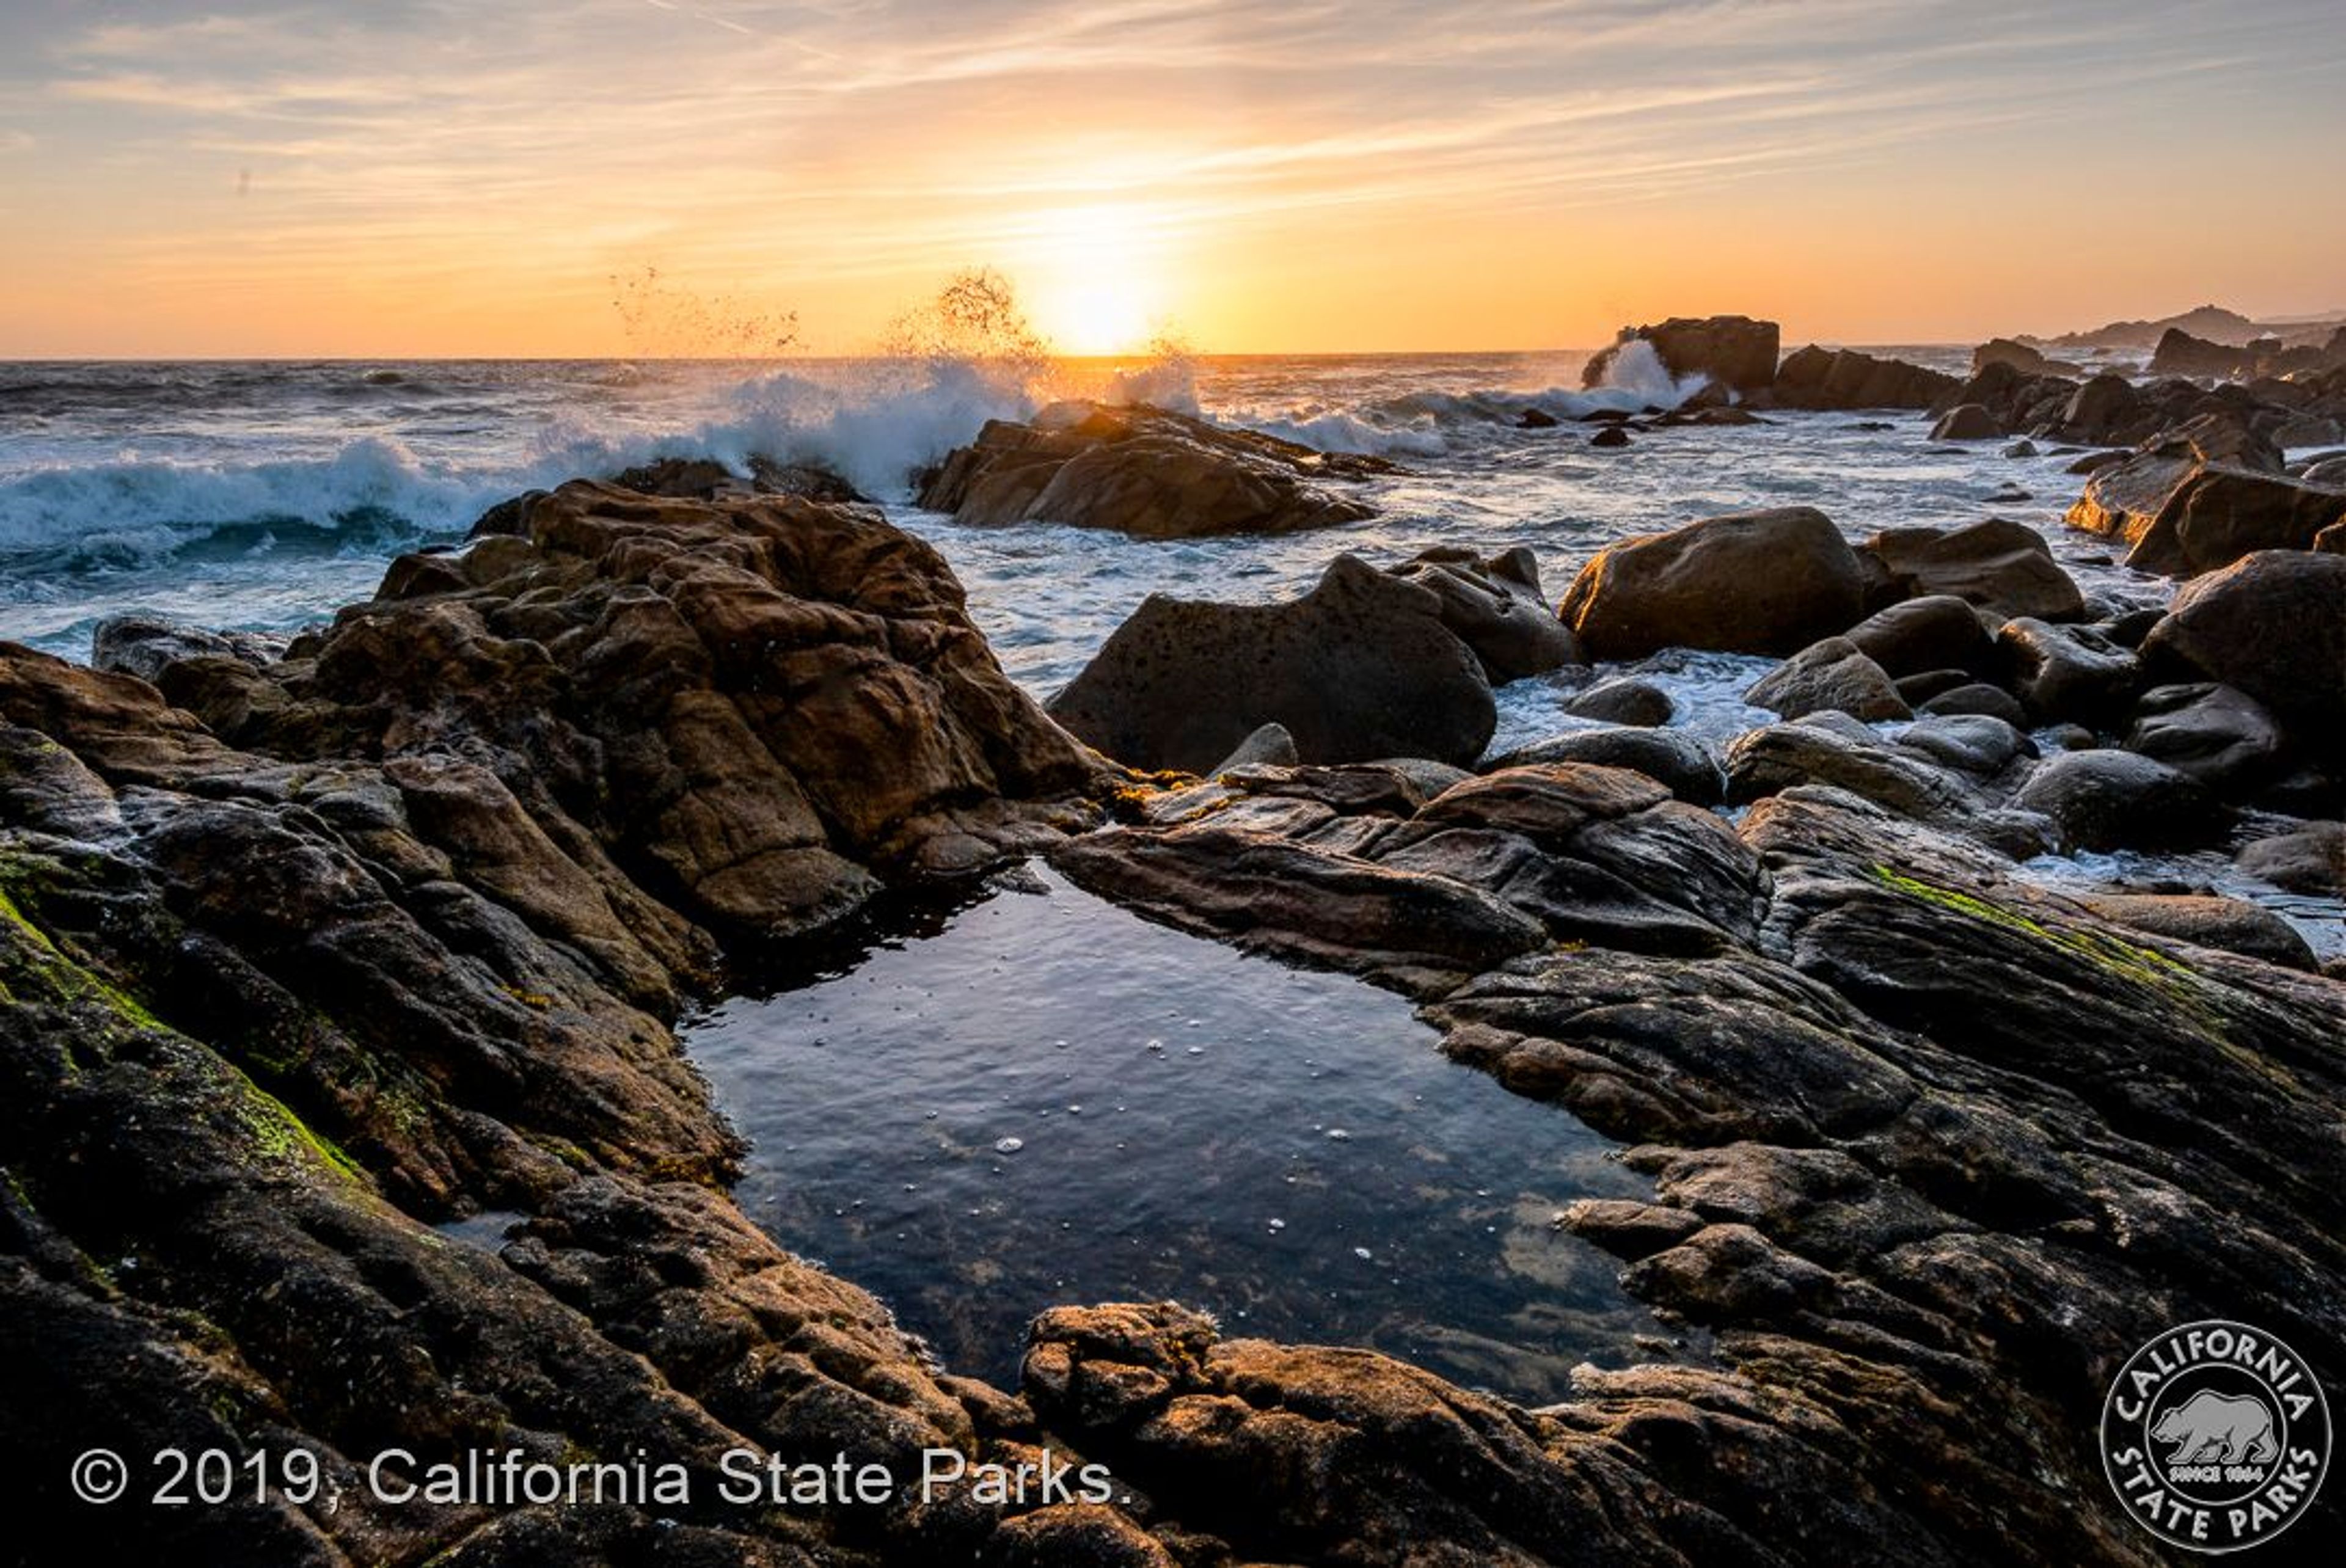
<point x="303" y="956"/>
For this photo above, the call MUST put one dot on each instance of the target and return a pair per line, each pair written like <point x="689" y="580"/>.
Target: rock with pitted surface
<point x="1496" y="606"/>
<point x="1362" y="666"/>
<point x="1766" y="582"/>
<point x="1732" y="352"/>
<point x="2001" y="567"/>
<point x="1147" y="472"/>
<point x="1819" y="378"/>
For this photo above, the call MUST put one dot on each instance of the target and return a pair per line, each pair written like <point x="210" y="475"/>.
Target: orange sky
<point x="440" y="176"/>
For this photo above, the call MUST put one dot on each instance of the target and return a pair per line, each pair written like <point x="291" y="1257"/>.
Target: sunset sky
<point x="467" y="176"/>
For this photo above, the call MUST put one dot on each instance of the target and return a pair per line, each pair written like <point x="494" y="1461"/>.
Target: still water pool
<point x="1040" y="1098"/>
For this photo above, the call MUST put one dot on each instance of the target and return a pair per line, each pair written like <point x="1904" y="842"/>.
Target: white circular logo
<point x="2216" y="1436"/>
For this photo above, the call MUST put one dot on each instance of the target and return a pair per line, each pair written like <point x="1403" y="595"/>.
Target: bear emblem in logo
<point x="2207" y="1428"/>
<point x="2215" y="1436"/>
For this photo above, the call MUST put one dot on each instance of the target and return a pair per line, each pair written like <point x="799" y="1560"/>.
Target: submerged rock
<point x="1766" y="582"/>
<point x="1143" y="471"/>
<point x="1363" y="667"/>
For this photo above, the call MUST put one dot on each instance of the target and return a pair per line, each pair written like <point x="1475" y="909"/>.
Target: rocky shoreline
<point x="312" y="950"/>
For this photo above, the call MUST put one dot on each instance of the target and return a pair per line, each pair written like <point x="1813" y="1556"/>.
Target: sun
<point x="1097" y="283"/>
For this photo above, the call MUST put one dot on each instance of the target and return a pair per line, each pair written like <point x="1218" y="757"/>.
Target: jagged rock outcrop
<point x="1147" y="472"/>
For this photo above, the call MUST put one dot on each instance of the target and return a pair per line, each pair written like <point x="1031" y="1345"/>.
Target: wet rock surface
<point x="303" y="956"/>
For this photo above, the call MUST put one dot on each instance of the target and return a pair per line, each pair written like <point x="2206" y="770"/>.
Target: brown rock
<point x="1750" y="582"/>
<point x="2001" y="567"/>
<point x="1145" y="472"/>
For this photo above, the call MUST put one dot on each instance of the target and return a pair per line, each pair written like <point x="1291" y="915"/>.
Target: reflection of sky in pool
<point x="1049" y="1100"/>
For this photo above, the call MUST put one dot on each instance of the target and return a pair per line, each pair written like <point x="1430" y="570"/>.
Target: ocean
<point x="262" y="495"/>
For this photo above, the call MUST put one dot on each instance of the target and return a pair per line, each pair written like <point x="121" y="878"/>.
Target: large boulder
<point x="2183" y="517"/>
<point x="2115" y="799"/>
<point x="1143" y="471"/>
<point x="1819" y="378"/>
<point x="1766" y="582"/>
<point x="1733" y="352"/>
<point x="1498" y="608"/>
<point x="1830" y="676"/>
<point x="1363" y="667"/>
<point x="2273" y="624"/>
<point x="2001" y="567"/>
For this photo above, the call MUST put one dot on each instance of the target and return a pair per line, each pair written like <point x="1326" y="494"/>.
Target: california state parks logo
<point x="2215" y="1436"/>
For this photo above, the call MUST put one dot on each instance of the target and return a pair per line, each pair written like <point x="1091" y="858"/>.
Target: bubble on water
<point x="1009" y="1146"/>
<point x="1279" y="1225"/>
<point x="1197" y="1050"/>
<point x="1364" y="1254"/>
<point x="1339" y="1136"/>
<point x="1157" y="1046"/>
<point x="1074" y="1110"/>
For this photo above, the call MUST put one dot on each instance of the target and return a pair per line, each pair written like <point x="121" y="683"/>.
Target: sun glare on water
<point x="1096" y="288"/>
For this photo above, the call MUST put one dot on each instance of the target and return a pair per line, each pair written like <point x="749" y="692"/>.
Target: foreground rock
<point x="1731" y="351"/>
<point x="1750" y="582"/>
<point x="1146" y="471"/>
<point x="1365" y="665"/>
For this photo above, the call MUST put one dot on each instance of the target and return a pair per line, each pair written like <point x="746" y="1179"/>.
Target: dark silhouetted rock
<point x="1750" y="582"/>
<point x="1611" y="435"/>
<point x="1360" y="667"/>
<point x="1734" y="352"/>
<point x="1818" y="378"/>
<point x="2180" y="354"/>
<point x="1966" y="421"/>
